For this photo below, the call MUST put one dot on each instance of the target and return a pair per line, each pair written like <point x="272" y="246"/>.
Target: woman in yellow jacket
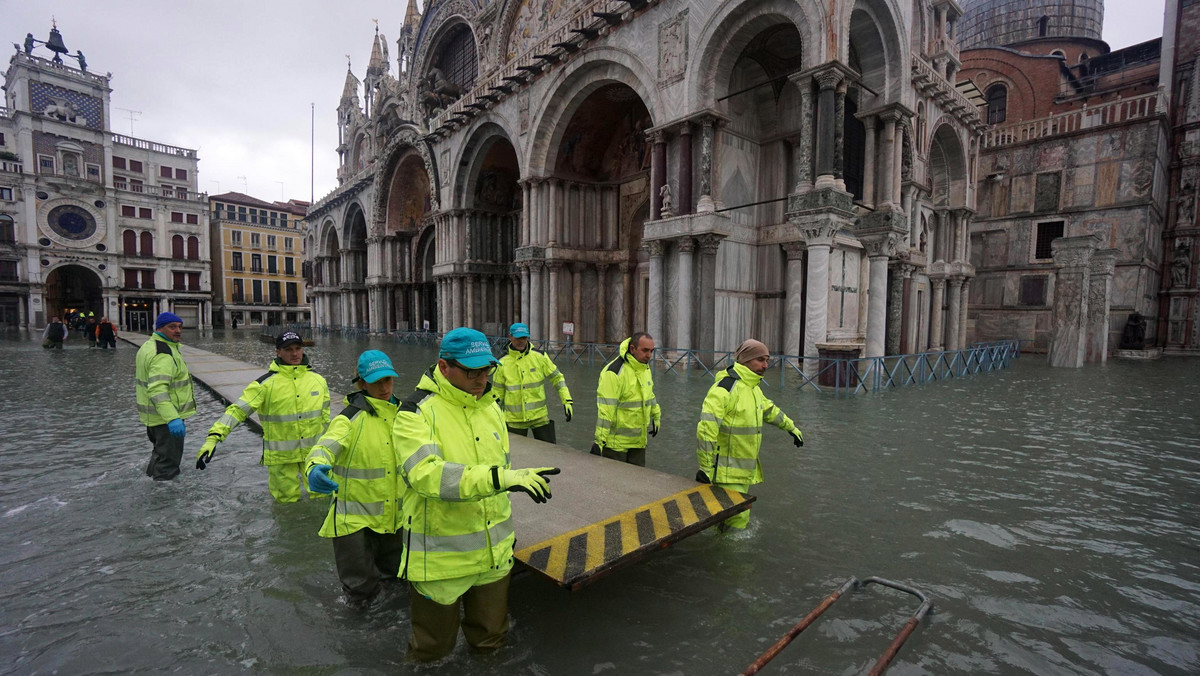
<point x="355" y="461"/>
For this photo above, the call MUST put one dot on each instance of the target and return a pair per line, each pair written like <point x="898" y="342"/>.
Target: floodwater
<point x="1050" y="514"/>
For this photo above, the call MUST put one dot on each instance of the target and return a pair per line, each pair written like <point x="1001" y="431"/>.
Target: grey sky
<point x="235" y="79"/>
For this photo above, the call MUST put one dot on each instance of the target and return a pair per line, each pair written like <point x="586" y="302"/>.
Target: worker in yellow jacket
<point x="452" y="450"/>
<point x="163" y="387"/>
<point x="520" y="386"/>
<point x="292" y="402"/>
<point x="626" y="409"/>
<point x="356" y="462"/>
<point x="729" y="434"/>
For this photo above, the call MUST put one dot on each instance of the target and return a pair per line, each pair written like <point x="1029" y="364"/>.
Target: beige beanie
<point x="750" y="350"/>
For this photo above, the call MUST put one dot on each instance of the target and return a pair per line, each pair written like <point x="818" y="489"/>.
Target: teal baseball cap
<point x="519" y="330"/>
<point x="373" y="365"/>
<point x="467" y="347"/>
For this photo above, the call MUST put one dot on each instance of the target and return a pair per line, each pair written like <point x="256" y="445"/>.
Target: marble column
<point x="895" y="309"/>
<point x="1101" y="268"/>
<point x="536" y="327"/>
<point x="912" y="316"/>
<point x="654" y="310"/>
<point x="472" y="293"/>
<point x="869" y="161"/>
<point x="962" y="313"/>
<point x="525" y="291"/>
<point x="877" y="295"/>
<point x="601" y="302"/>
<point x="953" y="313"/>
<point x="938" y="292"/>
<point x="819" y="240"/>
<point x="827" y="81"/>
<point x="658" y="172"/>
<point x="1072" y="284"/>
<point x="555" y="222"/>
<point x="684" y="294"/>
<point x="553" y="325"/>
<point x="705" y="337"/>
<point x="802" y="150"/>
<point x="706" y="203"/>
<point x="460" y="315"/>
<point x="577" y="298"/>
<point x="628" y="269"/>
<point x="793" y="313"/>
<point x="683" y="204"/>
<point x="887" y="155"/>
<point x="839" y="142"/>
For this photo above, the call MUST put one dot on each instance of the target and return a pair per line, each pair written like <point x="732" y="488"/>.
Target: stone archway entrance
<point x="74" y="288"/>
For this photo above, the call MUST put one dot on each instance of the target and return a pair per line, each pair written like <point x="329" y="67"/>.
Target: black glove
<point x="596" y="449"/>
<point x="653" y="429"/>
<point x="568" y="408"/>
<point x="702" y="477"/>
<point x="797" y="437"/>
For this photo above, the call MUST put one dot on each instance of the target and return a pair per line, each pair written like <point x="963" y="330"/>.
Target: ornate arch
<point x="948" y="154"/>
<point x="480" y="138"/>
<point x="446" y="14"/>
<point x="328" y="227"/>
<point x="571" y="86"/>
<point x="407" y="137"/>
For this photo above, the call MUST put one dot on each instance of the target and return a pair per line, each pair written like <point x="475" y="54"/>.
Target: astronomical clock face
<point x="71" y="223"/>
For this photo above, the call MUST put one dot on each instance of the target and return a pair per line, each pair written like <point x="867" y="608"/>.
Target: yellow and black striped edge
<point x="576" y="558"/>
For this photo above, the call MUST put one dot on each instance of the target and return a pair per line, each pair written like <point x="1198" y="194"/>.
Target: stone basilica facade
<point x="796" y="171"/>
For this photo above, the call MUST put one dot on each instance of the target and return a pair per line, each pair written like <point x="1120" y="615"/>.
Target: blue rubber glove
<point x="319" y="481"/>
<point x="177" y="428"/>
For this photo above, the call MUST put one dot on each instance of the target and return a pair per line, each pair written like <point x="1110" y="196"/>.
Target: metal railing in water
<point x="837" y="375"/>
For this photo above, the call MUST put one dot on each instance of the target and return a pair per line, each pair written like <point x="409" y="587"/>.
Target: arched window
<point x="177" y="246"/>
<point x="456" y="57"/>
<point x="129" y="243"/>
<point x="8" y="231"/>
<point x="147" y="244"/>
<point x="997" y="104"/>
<point x="193" y="246"/>
<point x="1043" y="26"/>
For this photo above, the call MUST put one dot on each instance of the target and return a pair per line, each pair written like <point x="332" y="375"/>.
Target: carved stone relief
<point x="672" y="49"/>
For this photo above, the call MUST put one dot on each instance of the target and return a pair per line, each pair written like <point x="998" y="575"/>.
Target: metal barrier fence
<point x="837" y="375"/>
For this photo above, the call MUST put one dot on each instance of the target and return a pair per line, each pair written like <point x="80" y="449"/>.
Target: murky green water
<point x="1051" y="514"/>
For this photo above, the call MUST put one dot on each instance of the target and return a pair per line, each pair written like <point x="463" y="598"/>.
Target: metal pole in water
<point x="800" y="626"/>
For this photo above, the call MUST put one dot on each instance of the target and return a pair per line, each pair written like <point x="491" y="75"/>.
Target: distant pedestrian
<point x="235" y="322"/>
<point x="292" y="402"/>
<point x="164" y="395"/>
<point x="89" y="330"/>
<point x="626" y="409"/>
<point x="729" y="434"/>
<point x="106" y="334"/>
<point x="520" y="386"/>
<point x="54" y="334"/>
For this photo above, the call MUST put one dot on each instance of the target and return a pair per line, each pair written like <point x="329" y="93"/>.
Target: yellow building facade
<point x="257" y="255"/>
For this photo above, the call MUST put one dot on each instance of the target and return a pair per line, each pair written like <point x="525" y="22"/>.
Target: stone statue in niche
<point x="1181" y="265"/>
<point x="70" y="165"/>
<point x="1134" y="335"/>
<point x="437" y="92"/>
<point x="1186" y="201"/>
<point x="667" y="210"/>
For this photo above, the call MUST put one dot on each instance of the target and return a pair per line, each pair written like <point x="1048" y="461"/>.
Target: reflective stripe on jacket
<point x="293" y="406"/>
<point x="729" y="433"/>
<point x="358" y="446"/>
<point x="519" y="384"/>
<point x="163" y="383"/>
<point x="625" y="403"/>
<point x="448" y="442"/>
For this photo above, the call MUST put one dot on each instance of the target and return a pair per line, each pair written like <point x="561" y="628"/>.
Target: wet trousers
<point x="633" y="456"/>
<point x="166" y="454"/>
<point x="435" y="625"/>
<point x="543" y="433"/>
<point x="364" y="558"/>
<point x="741" y="519"/>
<point x="284" y="481"/>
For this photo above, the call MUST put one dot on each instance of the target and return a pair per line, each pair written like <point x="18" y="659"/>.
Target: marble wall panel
<point x="1106" y="183"/>
<point x="1002" y="324"/>
<point x="845" y="292"/>
<point x="1083" y="151"/>
<point x="1023" y="159"/>
<point x="1101" y="228"/>
<point x="1083" y="181"/>
<point x="739" y="158"/>
<point x="589" y="304"/>
<point x="734" y="316"/>
<point x="735" y="267"/>
<point x="1129" y="236"/>
<point x="1125" y="287"/>
<point x="1020" y="200"/>
<point x="769" y="329"/>
<point x="770" y="267"/>
<point x="670" y="301"/>
<point x="1051" y="156"/>
<point x="1109" y="145"/>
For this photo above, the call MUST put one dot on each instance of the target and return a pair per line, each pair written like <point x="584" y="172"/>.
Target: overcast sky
<point x="235" y="80"/>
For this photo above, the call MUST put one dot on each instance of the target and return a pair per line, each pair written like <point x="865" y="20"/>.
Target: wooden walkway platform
<point x="603" y="515"/>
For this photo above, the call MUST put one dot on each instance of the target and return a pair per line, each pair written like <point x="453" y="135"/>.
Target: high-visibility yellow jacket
<point x="293" y="406"/>
<point x="358" y="446"/>
<point x="729" y="433"/>
<point x="520" y="387"/>
<point x="449" y="443"/>
<point x="625" y="403"/>
<point x="163" y="383"/>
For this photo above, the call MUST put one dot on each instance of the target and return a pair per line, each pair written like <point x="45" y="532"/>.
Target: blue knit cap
<point x="166" y="318"/>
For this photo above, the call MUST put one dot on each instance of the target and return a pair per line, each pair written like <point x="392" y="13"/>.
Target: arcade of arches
<point x="754" y="189"/>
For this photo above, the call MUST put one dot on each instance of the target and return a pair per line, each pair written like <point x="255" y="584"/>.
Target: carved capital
<point x="829" y="78"/>
<point x="1074" y="252"/>
<point x="654" y="248"/>
<point x="819" y="234"/>
<point x="656" y="136"/>
<point x="822" y="199"/>
<point x="881" y="245"/>
<point x="794" y="250"/>
<point x="686" y="244"/>
<point x="709" y="244"/>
